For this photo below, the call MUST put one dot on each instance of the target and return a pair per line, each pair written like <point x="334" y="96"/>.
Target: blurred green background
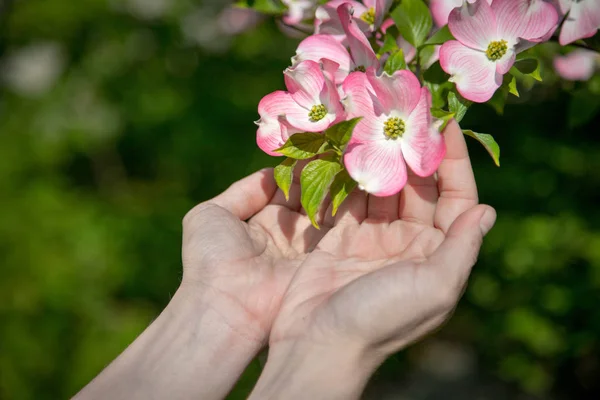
<point x="118" y="116"/>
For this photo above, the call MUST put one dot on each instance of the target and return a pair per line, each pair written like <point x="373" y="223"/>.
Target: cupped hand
<point x="242" y="268"/>
<point x="391" y="269"/>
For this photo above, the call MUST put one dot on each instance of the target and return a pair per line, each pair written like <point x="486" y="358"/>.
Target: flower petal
<point x="360" y="49"/>
<point x="381" y="9"/>
<point x="474" y="25"/>
<point x="440" y="10"/>
<point x="527" y="19"/>
<point x="582" y="21"/>
<point x="318" y="47"/>
<point x="578" y="65"/>
<point x="475" y="76"/>
<point x="400" y="91"/>
<point x="272" y="134"/>
<point x="422" y="144"/>
<point x="274" y="104"/>
<point x="305" y="82"/>
<point x="327" y="20"/>
<point x="377" y="166"/>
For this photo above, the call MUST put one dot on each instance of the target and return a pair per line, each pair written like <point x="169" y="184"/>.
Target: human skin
<point x="390" y="271"/>
<point x="337" y="297"/>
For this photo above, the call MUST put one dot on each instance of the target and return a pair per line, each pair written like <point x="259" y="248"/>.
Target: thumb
<point x="458" y="252"/>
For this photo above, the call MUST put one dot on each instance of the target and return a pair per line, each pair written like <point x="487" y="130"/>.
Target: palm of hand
<point x="247" y="266"/>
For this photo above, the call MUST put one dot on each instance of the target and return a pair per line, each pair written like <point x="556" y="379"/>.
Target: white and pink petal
<point x="578" y="65"/>
<point x="423" y="146"/>
<point x="377" y="166"/>
<point x="473" y="24"/>
<point x="582" y="21"/>
<point x="473" y="73"/>
<point x="531" y="20"/>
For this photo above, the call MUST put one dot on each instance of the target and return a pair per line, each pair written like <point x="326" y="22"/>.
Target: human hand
<point x="390" y="271"/>
<point x="242" y="269"/>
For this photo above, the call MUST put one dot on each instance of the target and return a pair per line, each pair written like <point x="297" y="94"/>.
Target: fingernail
<point x="487" y="221"/>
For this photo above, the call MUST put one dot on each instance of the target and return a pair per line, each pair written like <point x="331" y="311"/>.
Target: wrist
<point x="317" y="371"/>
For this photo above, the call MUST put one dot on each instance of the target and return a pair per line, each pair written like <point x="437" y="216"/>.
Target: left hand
<point x="242" y="269"/>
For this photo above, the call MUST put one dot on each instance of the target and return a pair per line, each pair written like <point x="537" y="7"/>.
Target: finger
<point x="383" y="208"/>
<point x="457" y="254"/>
<point x="353" y="209"/>
<point x="293" y="203"/>
<point x="247" y="196"/>
<point x="418" y="200"/>
<point x="456" y="182"/>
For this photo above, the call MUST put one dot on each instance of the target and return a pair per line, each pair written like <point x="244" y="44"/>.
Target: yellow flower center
<point x="393" y="128"/>
<point x="360" y="68"/>
<point x="369" y="16"/>
<point x="496" y="50"/>
<point x="317" y="113"/>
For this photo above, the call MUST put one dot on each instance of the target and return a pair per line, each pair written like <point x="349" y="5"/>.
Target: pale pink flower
<point x="488" y="39"/>
<point x="311" y="104"/>
<point x="298" y="11"/>
<point x="440" y="9"/>
<point x="396" y="129"/>
<point x="327" y="20"/>
<point x="582" y="21"/>
<point x="318" y="47"/>
<point x="578" y="65"/>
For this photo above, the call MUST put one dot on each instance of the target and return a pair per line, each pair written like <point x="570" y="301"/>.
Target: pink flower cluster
<point x="335" y="76"/>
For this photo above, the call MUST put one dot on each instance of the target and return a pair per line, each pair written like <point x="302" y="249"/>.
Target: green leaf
<point x="498" y="100"/>
<point x="301" y="146"/>
<point x="341" y="132"/>
<point x="395" y="62"/>
<point x="530" y="67"/>
<point x="315" y="180"/>
<point x="341" y="187"/>
<point x="512" y="87"/>
<point x="413" y="20"/>
<point x="458" y="105"/>
<point x="284" y="175"/>
<point x="389" y="45"/>
<point x="440" y="37"/>
<point x="488" y="142"/>
<point x="443" y="115"/>
<point x="583" y="107"/>
<point x="438" y="98"/>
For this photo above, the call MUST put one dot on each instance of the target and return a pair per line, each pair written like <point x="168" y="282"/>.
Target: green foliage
<point x="413" y="20"/>
<point x="339" y="134"/>
<point x="440" y="37"/>
<point x="284" y="175"/>
<point x="529" y="67"/>
<point x="488" y="143"/>
<point x="315" y="180"/>
<point x="458" y="105"/>
<point x="512" y="86"/>
<point x="395" y="62"/>
<point x="341" y="187"/>
<point x="301" y="146"/>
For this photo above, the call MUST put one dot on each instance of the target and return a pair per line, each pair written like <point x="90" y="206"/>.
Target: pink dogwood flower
<point x="440" y="9"/>
<point x="318" y="47"/>
<point x="582" y="21"/>
<point x="488" y="39"/>
<point x="578" y="65"/>
<point x="311" y="104"/>
<point x="396" y="129"/>
<point x="369" y="16"/>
